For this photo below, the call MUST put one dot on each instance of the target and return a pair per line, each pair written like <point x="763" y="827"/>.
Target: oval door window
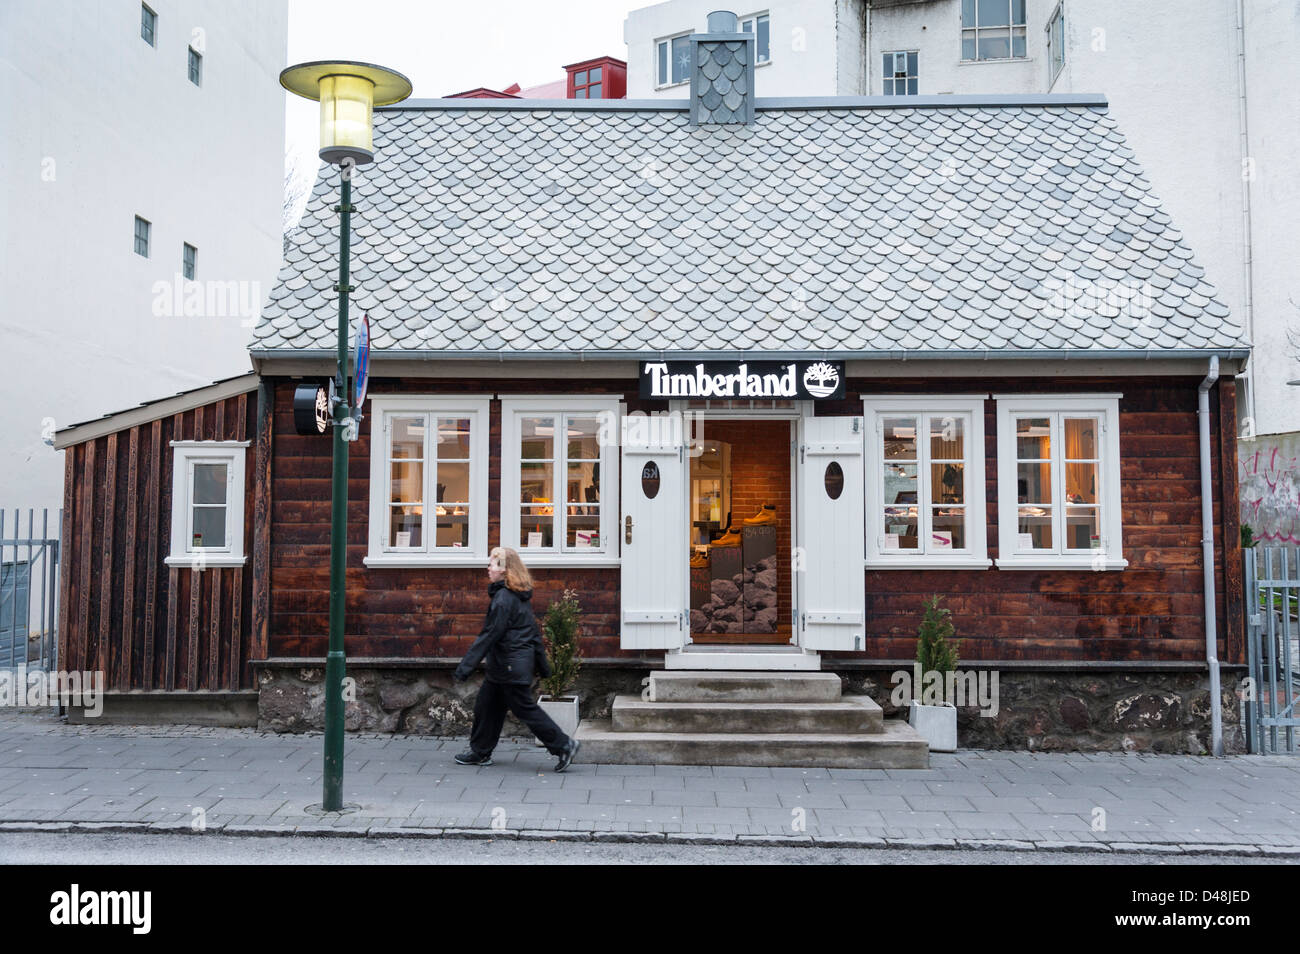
<point x="834" y="480"/>
<point x="650" y="480"/>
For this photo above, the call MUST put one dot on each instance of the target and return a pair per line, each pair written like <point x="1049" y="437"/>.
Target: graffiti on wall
<point x="1270" y="487"/>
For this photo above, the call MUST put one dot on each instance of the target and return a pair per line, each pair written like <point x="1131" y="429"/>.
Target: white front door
<point x="655" y="577"/>
<point x="830" y="534"/>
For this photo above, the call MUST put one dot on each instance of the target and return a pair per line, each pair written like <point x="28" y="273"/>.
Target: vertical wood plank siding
<point x="122" y="609"/>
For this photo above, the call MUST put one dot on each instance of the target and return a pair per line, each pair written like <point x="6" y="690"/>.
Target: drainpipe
<point x="1247" y="229"/>
<point x="1207" y="557"/>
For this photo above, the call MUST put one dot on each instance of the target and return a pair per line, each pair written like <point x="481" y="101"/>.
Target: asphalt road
<point x="89" y="848"/>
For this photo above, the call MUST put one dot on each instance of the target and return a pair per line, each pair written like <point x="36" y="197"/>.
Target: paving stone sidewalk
<point x="241" y="781"/>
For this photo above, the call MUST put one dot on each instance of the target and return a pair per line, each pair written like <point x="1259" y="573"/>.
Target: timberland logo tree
<point x="821" y="379"/>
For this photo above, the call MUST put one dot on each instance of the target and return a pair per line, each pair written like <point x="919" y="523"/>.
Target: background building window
<point x="428" y="480"/>
<point x="148" y="24"/>
<point x="760" y="27"/>
<point x="1056" y="43"/>
<point x="587" y="84"/>
<point x="900" y="73"/>
<point x="141" y="237"/>
<point x="196" y="67"/>
<point x="673" y="57"/>
<point x="992" y="29"/>
<point x="207" y="503"/>
<point x="189" y="260"/>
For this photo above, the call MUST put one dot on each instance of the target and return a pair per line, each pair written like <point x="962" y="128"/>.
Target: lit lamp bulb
<point x="347" y="93"/>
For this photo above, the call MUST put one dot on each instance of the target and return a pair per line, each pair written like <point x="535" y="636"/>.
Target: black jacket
<point x="510" y="640"/>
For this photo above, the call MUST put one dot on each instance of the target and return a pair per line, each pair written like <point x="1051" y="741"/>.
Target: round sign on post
<point x="361" y="364"/>
<point x="311" y="409"/>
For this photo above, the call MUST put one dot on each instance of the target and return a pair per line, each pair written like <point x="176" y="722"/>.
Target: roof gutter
<point x="1238" y="353"/>
<point x="1207" y="556"/>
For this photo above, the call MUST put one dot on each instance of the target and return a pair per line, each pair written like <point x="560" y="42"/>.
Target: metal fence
<point x="29" y="586"/>
<point x="1273" y="649"/>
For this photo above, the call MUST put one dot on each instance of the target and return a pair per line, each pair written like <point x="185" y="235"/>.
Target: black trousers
<point x="494" y="698"/>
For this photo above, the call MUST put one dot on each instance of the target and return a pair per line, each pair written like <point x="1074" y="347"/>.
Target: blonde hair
<point x="517" y="576"/>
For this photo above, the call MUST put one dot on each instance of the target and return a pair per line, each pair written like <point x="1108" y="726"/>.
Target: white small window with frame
<point x="925" y="483"/>
<point x="760" y="25"/>
<point x="428" y="481"/>
<point x="1058" y="482"/>
<point x="673" y="60"/>
<point x="559" y="479"/>
<point x="1055" y="43"/>
<point x="207" y="503"/>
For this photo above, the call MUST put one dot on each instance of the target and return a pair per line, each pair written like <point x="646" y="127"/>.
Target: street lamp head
<point x="346" y="91"/>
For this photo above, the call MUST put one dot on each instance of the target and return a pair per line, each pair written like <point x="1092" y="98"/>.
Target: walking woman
<point x="512" y="645"/>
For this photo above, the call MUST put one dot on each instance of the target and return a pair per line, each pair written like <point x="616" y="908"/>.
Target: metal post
<point x="332" y="794"/>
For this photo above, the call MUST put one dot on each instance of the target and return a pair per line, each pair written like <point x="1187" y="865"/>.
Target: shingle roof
<point x="948" y="227"/>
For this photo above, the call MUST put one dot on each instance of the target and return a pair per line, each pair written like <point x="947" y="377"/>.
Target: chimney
<point x="722" y="72"/>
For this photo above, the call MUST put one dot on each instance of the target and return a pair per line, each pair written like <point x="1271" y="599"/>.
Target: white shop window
<point x="559" y="479"/>
<point x="207" y="503"/>
<point x="428" y="481"/>
<point x="1058" y="482"/>
<point x="925" y="483"/>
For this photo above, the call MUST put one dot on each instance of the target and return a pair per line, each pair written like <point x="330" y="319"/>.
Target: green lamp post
<point x="347" y="92"/>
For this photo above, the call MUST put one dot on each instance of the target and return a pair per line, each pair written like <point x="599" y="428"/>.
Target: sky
<point x="445" y="47"/>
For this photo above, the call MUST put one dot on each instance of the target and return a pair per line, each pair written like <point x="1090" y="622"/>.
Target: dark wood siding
<point x="1151" y="611"/>
<point x="147" y="625"/>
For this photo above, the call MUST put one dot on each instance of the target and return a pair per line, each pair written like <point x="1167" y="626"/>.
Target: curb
<point x="668" y="838"/>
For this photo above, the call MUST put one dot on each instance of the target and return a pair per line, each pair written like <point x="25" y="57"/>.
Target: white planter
<point x="563" y="710"/>
<point x="937" y="724"/>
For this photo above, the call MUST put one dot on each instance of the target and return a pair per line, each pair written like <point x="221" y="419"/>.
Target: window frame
<point x="975" y="29"/>
<point x="975" y="555"/>
<point x="669" y="82"/>
<point x="148" y="16"/>
<point x="189" y="261"/>
<point x="148" y="228"/>
<point x="909" y="78"/>
<point x="385" y="406"/>
<point x="194" y="66"/>
<point x="1110" y="555"/>
<point x="517" y="406"/>
<point x="754" y="18"/>
<point x="184" y="455"/>
<point x="1055" y="43"/>
<point x="583" y="90"/>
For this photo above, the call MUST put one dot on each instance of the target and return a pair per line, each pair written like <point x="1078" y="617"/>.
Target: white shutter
<point x="831" y="607"/>
<point x="653" y="539"/>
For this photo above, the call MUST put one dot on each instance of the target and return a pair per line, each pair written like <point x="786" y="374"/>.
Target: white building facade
<point x="142" y="161"/>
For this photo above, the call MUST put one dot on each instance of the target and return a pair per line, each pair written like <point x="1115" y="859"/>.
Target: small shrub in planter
<point x="561" y="627"/>
<point x="938" y="723"/>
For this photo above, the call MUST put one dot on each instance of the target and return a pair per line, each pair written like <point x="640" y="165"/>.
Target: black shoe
<point x="567" y="755"/>
<point x="471" y="757"/>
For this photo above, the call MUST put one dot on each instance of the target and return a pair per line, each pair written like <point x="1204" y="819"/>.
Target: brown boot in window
<point x="729" y="539"/>
<point x="699" y="559"/>
<point x="765" y="515"/>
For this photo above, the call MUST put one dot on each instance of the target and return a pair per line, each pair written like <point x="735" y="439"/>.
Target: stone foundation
<point x="1164" y="712"/>
<point x="1099" y="711"/>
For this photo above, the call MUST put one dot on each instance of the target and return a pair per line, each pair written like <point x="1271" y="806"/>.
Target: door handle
<point x="627" y="529"/>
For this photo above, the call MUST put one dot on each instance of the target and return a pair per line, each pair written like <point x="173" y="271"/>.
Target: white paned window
<point x="207" y="503"/>
<point x="673" y="60"/>
<point x="559" y="479"/>
<point x="925" y="482"/>
<point x="900" y="73"/>
<point x="428" y="480"/>
<point x="1058" y="483"/>
<point x="759" y="25"/>
<point x="993" y="29"/>
<point x="1056" y="43"/>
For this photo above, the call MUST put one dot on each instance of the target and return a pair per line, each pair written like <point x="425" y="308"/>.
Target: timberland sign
<point x="765" y="380"/>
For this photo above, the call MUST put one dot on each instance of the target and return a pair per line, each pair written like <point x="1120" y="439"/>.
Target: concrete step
<point x="898" y="746"/>
<point x="711" y="686"/>
<point x="848" y="715"/>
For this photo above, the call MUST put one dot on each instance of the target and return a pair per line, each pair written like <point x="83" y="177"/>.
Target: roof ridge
<point x="967" y="101"/>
